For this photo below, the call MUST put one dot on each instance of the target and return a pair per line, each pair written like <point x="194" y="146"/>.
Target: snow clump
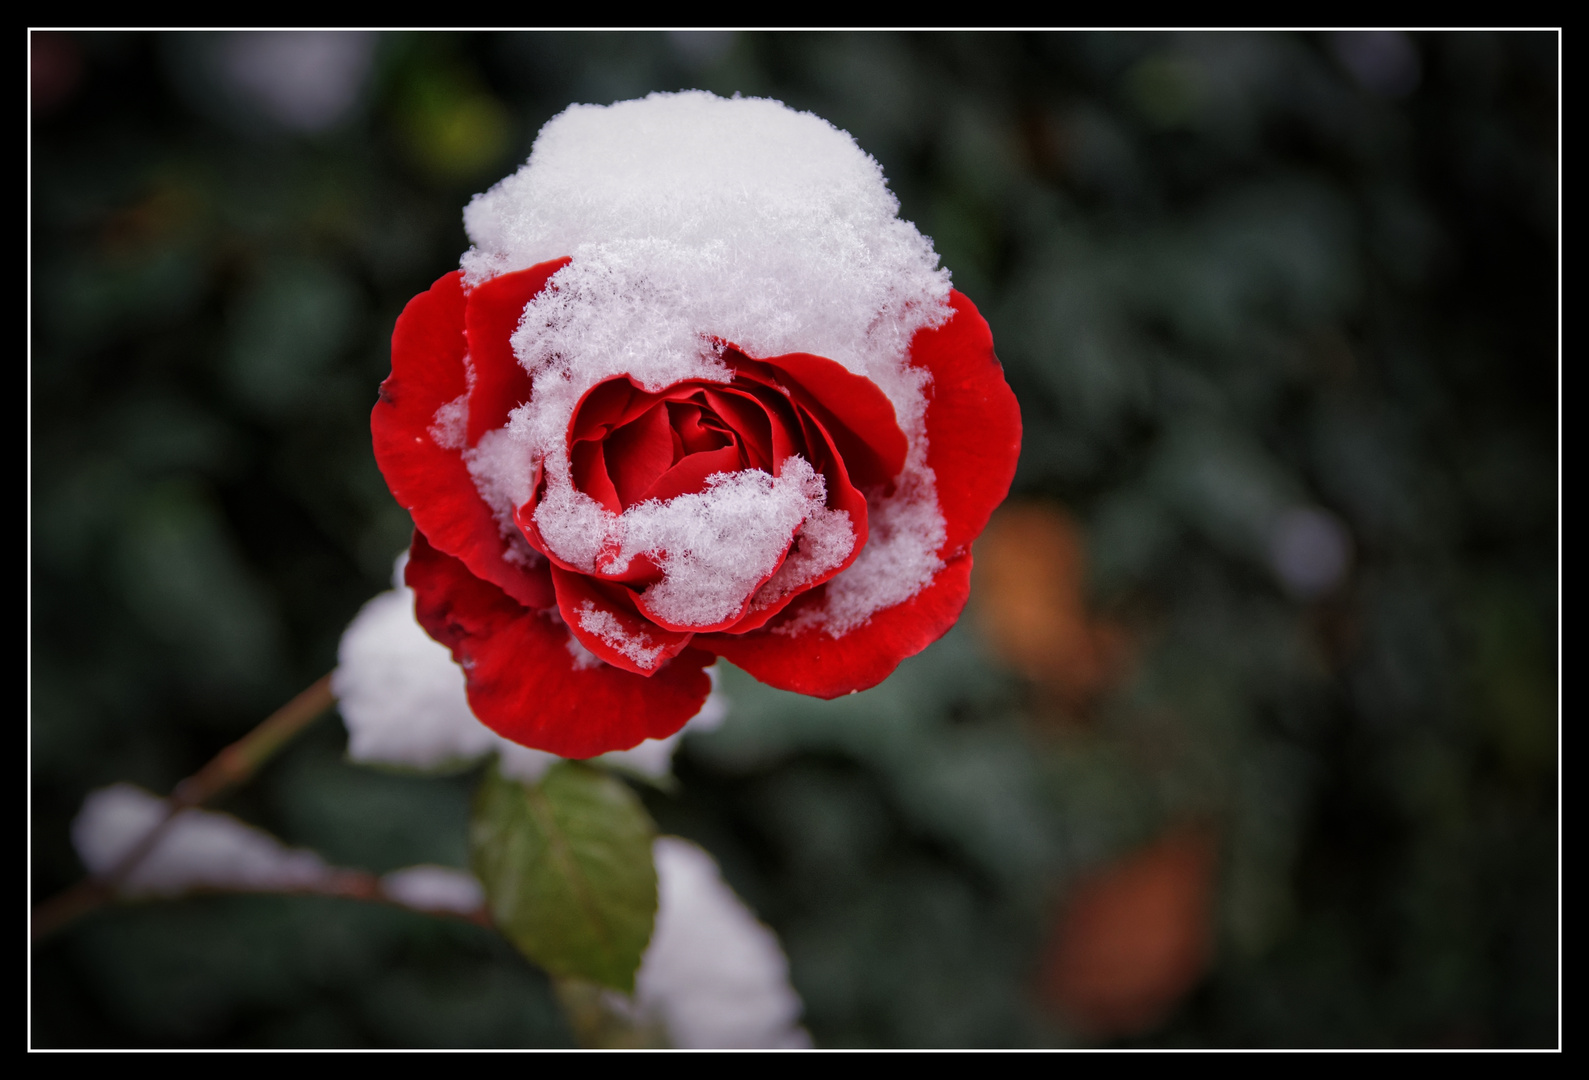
<point x="715" y="976"/>
<point x="199" y="849"/>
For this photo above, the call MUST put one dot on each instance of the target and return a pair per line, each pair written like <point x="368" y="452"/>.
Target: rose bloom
<point x="697" y="392"/>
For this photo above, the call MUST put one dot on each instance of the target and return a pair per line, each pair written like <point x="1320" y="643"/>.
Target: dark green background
<point x="1215" y="266"/>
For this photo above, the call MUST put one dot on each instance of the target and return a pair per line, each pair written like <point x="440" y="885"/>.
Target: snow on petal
<point x="715" y="547"/>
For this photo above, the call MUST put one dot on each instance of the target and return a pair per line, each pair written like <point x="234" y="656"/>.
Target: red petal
<point x="696" y="436"/>
<point x="764" y="424"/>
<point x="523" y="682"/>
<point x="495" y="308"/>
<point x="856" y="413"/>
<point x="580" y="599"/>
<point x="607" y="406"/>
<point x="814" y="663"/>
<point x="589" y="466"/>
<point x="428" y="480"/>
<point x="639" y="453"/>
<point x="973" y="422"/>
<point x="689" y="475"/>
<point x="756" y="618"/>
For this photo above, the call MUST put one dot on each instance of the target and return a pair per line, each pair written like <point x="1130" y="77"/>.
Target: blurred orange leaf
<point x="1029" y="587"/>
<point x="1134" y="937"/>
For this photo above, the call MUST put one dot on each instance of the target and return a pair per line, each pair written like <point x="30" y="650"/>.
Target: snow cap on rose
<point x="697" y="391"/>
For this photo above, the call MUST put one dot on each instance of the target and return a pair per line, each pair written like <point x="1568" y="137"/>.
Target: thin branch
<point x="339" y="882"/>
<point x="232" y="766"/>
<point x="240" y="761"/>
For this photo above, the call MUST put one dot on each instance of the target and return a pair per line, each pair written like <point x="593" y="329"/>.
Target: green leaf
<point x="567" y="871"/>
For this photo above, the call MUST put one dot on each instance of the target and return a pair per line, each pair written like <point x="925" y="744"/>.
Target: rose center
<point x="629" y="446"/>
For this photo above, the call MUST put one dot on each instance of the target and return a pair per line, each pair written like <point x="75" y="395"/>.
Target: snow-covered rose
<point x="697" y="391"/>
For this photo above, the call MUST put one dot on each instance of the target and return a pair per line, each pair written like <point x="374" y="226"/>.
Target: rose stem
<point x="232" y="766"/>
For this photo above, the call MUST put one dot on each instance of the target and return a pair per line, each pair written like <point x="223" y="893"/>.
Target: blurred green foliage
<point x="1231" y="276"/>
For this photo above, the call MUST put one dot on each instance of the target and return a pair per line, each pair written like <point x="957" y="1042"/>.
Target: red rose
<point x="592" y="532"/>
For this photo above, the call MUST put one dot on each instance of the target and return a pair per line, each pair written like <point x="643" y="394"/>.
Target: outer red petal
<point x="429" y="480"/>
<point x="495" y="308"/>
<point x="973" y="422"/>
<point x="524" y="684"/>
<point x="814" y="663"/>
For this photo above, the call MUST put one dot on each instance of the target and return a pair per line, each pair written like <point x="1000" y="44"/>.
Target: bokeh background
<point x="1250" y="735"/>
